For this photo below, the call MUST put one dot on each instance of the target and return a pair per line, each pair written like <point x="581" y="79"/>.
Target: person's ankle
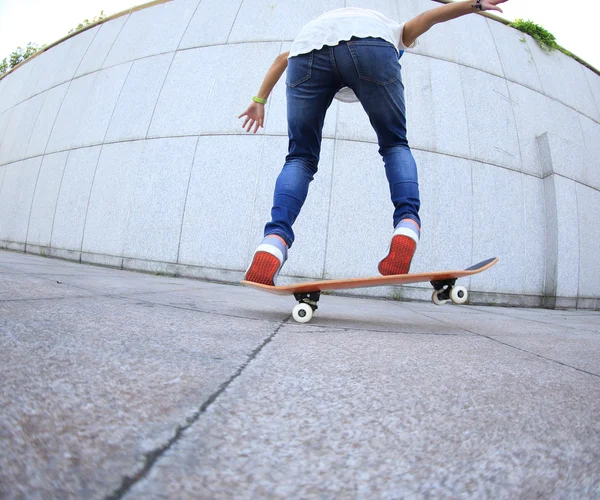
<point x="277" y="236"/>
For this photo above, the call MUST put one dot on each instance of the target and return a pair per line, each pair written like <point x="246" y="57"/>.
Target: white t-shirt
<point x="339" y="25"/>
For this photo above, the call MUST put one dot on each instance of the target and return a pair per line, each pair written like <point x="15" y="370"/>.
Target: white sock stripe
<point x="405" y="231"/>
<point x="273" y="250"/>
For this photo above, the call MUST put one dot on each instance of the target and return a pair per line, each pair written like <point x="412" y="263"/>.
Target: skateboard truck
<point x="307" y="305"/>
<point x="446" y="291"/>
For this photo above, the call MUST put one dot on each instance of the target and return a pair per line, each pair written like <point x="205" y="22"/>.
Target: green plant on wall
<point x="87" y="22"/>
<point x="17" y="56"/>
<point x="542" y="36"/>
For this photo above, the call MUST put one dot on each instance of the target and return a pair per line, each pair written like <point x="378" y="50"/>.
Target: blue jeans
<point x="370" y="67"/>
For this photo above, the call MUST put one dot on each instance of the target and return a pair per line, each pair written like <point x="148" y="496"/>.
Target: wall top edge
<point x="158" y="2"/>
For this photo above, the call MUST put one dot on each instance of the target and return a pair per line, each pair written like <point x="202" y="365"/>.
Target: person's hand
<point x="255" y="116"/>
<point x="490" y="4"/>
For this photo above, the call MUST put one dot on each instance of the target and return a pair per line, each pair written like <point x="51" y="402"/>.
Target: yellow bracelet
<point x="259" y="100"/>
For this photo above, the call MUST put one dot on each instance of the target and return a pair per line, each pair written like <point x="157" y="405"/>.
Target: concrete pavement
<point x="117" y="384"/>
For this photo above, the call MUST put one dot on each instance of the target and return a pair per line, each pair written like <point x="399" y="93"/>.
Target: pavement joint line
<point x="358" y="329"/>
<point x="551" y="360"/>
<point x="512" y="316"/>
<point x="153" y="456"/>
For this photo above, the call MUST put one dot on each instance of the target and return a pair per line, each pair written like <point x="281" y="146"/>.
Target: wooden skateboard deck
<point x="442" y="281"/>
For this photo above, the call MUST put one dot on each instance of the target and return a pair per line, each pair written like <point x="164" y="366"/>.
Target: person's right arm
<point x="425" y="21"/>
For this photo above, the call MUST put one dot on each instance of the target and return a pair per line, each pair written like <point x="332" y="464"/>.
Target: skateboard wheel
<point x="459" y="295"/>
<point x="302" y="313"/>
<point x="436" y="299"/>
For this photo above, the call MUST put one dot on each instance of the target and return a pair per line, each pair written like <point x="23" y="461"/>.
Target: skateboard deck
<point x="443" y="282"/>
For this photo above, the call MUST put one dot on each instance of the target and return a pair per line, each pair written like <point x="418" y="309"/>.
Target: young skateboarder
<point x="349" y="54"/>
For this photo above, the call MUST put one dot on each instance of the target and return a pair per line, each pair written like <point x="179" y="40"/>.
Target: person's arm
<point x="423" y="22"/>
<point x="255" y="114"/>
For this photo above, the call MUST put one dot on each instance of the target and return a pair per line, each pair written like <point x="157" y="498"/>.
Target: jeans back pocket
<point x="299" y="69"/>
<point x="375" y="60"/>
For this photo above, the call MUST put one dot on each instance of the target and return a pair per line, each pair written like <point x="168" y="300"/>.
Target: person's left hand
<point x="255" y="116"/>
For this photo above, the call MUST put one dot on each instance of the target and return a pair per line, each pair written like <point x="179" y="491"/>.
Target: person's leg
<point x="370" y="67"/>
<point x="312" y="83"/>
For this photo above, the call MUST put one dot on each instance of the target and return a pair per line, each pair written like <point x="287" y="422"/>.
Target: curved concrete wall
<point x="121" y="146"/>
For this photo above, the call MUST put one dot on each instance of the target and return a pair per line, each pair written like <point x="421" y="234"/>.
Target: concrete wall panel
<point x="535" y="240"/>
<point x="87" y="108"/>
<point x="588" y="203"/>
<point x="158" y="199"/>
<point x="571" y="87"/>
<point x="73" y="198"/>
<point x="588" y="172"/>
<point x="13" y="85"/>
<point x="594" y="83"/>
<point x="568" y="230"/>
<point x="536" y="114"/>
<point x="264" y="20"/>
<point x="168" y="22"/>
<point x="517" y="60"/>
<point x="53" y="100"/>
<point x="45" y="197"/>
<point x="19" y="129"/>
<point x="360" y="222"/>
<point x="16" y="197"/>
<point x="100" y="46"/>
<point x="435" y="106"/>
<point x="220" y="200"/>
<point x="211" y="23"/>
<point x="110" y="199"/>
<point x="194" y="89"/>
<point x="137" y="100"/>
<point x="467" y="41"/>
<point x="498" y="213"/>
<point x="491" y="121"/>
<point x="60" y="63"/>
<point x="446" y="188"/>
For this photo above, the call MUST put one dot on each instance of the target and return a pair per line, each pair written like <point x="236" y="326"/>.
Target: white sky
<point x="45" y="21"/>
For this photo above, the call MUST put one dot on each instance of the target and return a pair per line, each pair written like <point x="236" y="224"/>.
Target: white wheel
<point x="459" y="295"/>
<point x="302" y="313"/>
<point x="436" y="300"/>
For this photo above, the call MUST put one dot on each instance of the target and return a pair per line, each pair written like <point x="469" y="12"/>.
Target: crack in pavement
<point x="153" y="456"/>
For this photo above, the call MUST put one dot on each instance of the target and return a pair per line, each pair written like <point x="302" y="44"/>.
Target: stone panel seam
<point x="162" y="86"/>
<point x="62" y="177"/>
<point x="151" y="457"/>
<point x="112" y="113"/>
<point x="113" y="43"/>
<point x="86" y="51"/>
<point x="251" y="241"/>
<point x="579" y="231"/>
<point x="186" y="198"/>
<point x="10" y="111"/>
<point x="335" y="142"/>
<point x="188" y="26"/>
<point x="32" y="200"/>
<point x="36" y="120"/>
<point x="56" y="117"/>
<point x="87" y="208"/>
<point x="234" y="21"/>
<point x="274" y="41"/>
<point x="471" y="166"/>
<point x="359" y="141"/>
<point x="587" y="80"/>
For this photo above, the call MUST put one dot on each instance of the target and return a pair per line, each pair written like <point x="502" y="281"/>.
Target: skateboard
<point x="308" y="294"/>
